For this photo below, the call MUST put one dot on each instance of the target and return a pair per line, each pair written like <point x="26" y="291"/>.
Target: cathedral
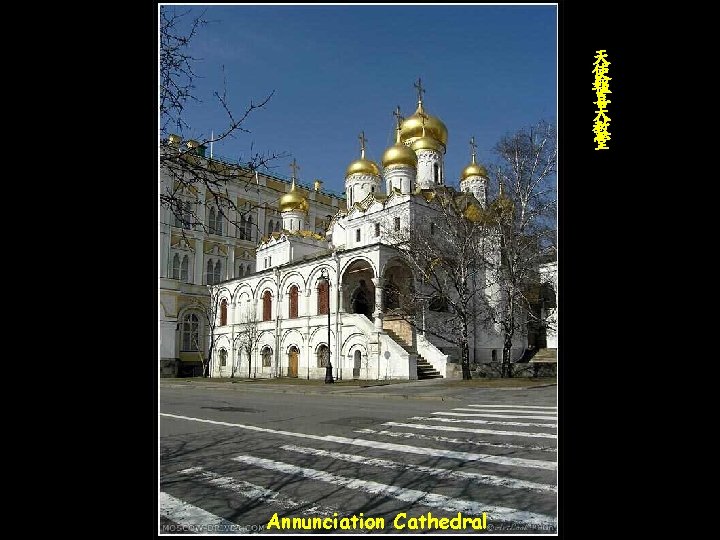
<point x="326" y="298"/>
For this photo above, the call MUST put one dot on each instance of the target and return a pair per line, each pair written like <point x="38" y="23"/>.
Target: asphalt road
<point x="233" y="458"/>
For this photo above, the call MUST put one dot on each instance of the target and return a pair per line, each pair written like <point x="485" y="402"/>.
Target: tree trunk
<point x="465" y="355"/>
<point x="507" y="350"/>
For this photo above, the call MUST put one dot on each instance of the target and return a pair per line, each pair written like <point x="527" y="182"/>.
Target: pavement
<point x="431" y="389"/>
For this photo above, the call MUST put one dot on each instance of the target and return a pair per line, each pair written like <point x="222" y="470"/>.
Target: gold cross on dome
<point x="295" y="167"/>
<point x="398" y="116"/>
<point x="420" y="89"/>
<point x="363" y="140"/>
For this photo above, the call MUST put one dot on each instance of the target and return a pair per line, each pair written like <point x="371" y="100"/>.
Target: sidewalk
<point x="431" y="389"/>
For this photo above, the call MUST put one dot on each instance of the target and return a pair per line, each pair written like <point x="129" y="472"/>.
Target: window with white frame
<point x="191" y="332"/>
<point x="266" y="357"/>
<point x="215" y="221"/>
<point x="184" y="268"/>
<point x="176" y="267"/>
<point x="213" y="272"/>
<point x="182" y="213"/>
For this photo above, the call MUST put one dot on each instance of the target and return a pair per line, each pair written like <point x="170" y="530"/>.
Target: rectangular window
<point x="377" y="229"/>
<point x="397" y="223"/>
<point x="357" y="235"/>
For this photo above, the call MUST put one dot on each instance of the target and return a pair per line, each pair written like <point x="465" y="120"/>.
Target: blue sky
<point x="337" y="70"/>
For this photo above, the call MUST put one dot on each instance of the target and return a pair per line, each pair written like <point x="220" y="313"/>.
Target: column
<point x="378" y="313"/>
<point x="164" y="251"/>
<point x="341" y="306"/>
<point x="306" y="303"/>
<point x="199" y="260"/>
<point x="230" y="270"/>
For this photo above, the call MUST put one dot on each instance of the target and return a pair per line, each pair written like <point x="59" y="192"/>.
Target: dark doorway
<point x="360" y="302"/>
<point x="357" y="364"/>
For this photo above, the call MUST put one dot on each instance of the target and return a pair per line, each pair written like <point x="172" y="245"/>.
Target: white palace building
<point x="281" y="292"/>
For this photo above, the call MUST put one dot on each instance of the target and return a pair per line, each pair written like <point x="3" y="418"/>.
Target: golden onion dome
<point x="434" y="127"/>
<point x="362" y="165"/>
<point x="427" y="143"/>
<point x="292" y="200"/>
<point x="399" y="155"/>
<point x="474" y="169"/>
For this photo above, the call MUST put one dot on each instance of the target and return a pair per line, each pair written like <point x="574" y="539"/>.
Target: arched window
<point x="271" y="226"/>
<point x="432" y="228"/>
<point x="211" y="224"/>
<point x="223" y="312"/>
<point x="436" y="173"/>
<point x="176" y="267"/>
<point x="209" y="276"/>
<point x="223" y="357"/>
<point x="184" y="269"/>
<point x="241" y="228"/>
<point x="322" y="299"/>
<point x="183" y="214"/>
<point x="267" y="306"/>
<point x="293" y="302"/>
<point x="357" y="363"/>
<point x="191" y="332"/>
<point x="248" y="228"/>
<point x="247" y="270"/>
<point x="322" y="356"/>
<point x="277" y="226"/>
<point x="217" y="271"/>
<point x="266" y="356"/>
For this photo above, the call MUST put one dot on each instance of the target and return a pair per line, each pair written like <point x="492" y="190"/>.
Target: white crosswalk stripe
<point x="195" y="519"/>
<point x="258" y="493"/>
<point x="514" y="406"/>
<point x="473" y="430"/>
<point x="488" y="422"/>
<point x="453" y="440"/>
<point x="488" y="479"/>
<point x="491" y="415"/>
<point x="515" y="411"/>
<point x="414" y="496"/>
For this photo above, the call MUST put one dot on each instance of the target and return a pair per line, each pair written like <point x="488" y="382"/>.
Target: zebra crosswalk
<point x="436" y="465"/>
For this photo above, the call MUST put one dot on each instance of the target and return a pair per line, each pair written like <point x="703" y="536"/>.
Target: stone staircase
<point x="425" y="370"/>
<point x="545" y="356"/>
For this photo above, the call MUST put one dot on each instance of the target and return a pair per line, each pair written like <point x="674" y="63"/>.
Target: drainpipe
<point x="337" y="316"/>
<point x="278" y="368"/>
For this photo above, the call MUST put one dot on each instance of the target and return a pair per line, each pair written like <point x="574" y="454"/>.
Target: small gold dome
<point x="427" y="143"/>
<point x="363" y="166"/>
<point x="399" y="155"/>
<point x="474" y="169"/>
<point x="293" y="200"/>
<point x="434" y="127"/>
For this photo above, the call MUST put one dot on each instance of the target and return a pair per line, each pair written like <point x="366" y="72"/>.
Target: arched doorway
<point x="358" y="289"/>
<point x="360" y="302"/>
<point x="293" y="354"/>
<point x="357" y="364"/>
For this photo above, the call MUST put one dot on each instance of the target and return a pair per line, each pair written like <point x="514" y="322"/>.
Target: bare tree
<point x="209" y="307"/>
<point x="523" y="217"/>
<point x="441" y="249"/>
<point x="187" y="169"/>
<point x="248" y="336"/>
<point x="480" y="266"/>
